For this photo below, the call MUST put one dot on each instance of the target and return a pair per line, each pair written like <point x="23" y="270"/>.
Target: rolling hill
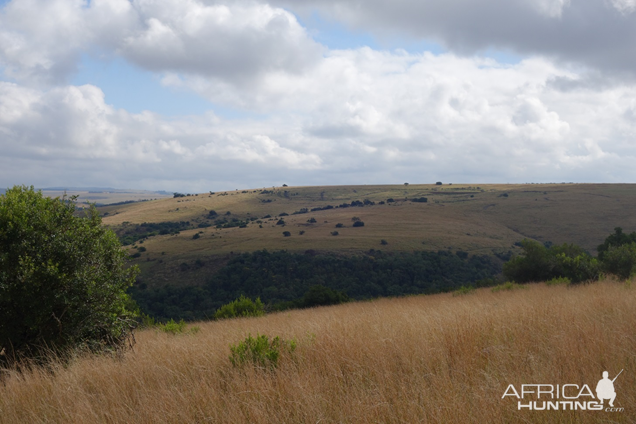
<point x="477" y="219"/>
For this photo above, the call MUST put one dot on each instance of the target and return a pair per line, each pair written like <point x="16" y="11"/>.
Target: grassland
<point x="429" y="359"/>
<point x="475" y="218"/>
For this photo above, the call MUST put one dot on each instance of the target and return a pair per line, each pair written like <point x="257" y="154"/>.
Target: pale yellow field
<point x="437" y="359"/>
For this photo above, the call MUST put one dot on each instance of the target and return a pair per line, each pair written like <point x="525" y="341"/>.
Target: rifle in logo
<point x="605" y="388"/>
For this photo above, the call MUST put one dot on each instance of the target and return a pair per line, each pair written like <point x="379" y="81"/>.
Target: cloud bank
<point x="325" y="116"/>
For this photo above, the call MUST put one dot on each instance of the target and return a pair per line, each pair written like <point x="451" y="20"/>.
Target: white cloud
<point x="230" y="42"/>
<point x="358" y="116"/>
<point x="327" y="116"/>
<point x="624" y="6"/>
<point x="550" y="8"/>
<point x="41" y="40"/>
<point x="597" y="34"/>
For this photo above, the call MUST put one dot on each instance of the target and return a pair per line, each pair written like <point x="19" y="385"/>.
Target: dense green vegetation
<point x="63" y="278"/>
<point x="540" y="262"/>
<point x="282" y="277"/>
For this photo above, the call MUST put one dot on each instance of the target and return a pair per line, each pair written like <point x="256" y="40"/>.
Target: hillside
<point x="477" y="219"/>
<point x="429" y="359"/>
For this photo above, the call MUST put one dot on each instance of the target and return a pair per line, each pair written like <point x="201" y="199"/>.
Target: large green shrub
<point x="539" y="263"/>
<point x="63" y="278"/>
<point x="241" y="307"/>
<point x="616" y="239"/>
<point x="620" y="260"/>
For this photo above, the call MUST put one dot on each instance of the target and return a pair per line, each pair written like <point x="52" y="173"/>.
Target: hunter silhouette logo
<point x="562" y="397"/>
<point x="605" y="388"/>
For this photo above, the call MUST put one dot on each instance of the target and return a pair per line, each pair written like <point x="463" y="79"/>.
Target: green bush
<point x="174" y="327"/>
<point x="320" y="295"/>
<point x="63" y="278"/>
<point x="558" y="280"/>
<point x="260" y="351"/>
<point x="620" y="260"/>
<point x="241" y="307"/>
<point x="463" y="290"/>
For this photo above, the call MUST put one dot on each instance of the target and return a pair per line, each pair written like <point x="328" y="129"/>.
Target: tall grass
<point x="439" y="359"/>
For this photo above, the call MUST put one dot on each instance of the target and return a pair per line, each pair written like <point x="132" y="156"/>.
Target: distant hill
<point x="475" y="218"/>
<point x="102" y="196"/>
<point x="105" y="196"/>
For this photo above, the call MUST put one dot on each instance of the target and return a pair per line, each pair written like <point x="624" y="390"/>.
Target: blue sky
<point x="197" y="95"/>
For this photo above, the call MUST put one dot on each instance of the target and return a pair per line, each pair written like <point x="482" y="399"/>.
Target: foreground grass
<point x="440" y="358"/>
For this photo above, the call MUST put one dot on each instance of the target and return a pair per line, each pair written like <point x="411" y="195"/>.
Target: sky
<point x="199" y="95"/>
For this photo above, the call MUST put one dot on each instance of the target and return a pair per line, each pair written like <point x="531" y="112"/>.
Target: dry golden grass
<point x="438" y="359"/>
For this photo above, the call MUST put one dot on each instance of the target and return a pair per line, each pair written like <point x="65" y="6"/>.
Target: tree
<point x="319" y="295"/>
<point x="620" y="260"/>
<point x="618" y="238"/>
<point x="539" y="263"/>
<point x="63" y="278"/>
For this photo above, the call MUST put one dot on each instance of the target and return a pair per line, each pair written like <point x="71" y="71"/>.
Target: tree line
<point x="616" y="255"/>
<point x="282" y="279"/>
